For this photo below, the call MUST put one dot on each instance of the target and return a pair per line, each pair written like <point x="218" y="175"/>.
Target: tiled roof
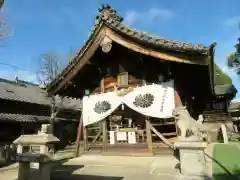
<point x="28" y="118"/>
<point x="110" y="17"/>
<point x="22" y="92"/>
<point x="31" y="93"/>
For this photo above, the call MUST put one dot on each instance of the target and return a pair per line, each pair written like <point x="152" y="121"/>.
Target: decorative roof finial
<point x="1" y="3"/>
<point x="107" y="12"/>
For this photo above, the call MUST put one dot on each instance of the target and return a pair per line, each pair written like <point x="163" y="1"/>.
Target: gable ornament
<point x="106" y="44"/>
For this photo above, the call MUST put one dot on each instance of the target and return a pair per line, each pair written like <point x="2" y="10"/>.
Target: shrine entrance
<point x="112" y="127"/>
<point x="124" y="131"/>
<point x="127" y="132"/>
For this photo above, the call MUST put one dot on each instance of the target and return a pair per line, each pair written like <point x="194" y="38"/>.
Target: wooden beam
<point x="149" y="135"/>
<point x="161" y="137"/>
<point x="96" y="137"/>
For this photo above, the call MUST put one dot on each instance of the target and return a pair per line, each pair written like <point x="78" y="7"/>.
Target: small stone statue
<point x="190" y="128"/>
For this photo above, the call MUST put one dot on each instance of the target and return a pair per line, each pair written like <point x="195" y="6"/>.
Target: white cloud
<point x="233" y="21"/>
<point x="131" y="17"/>
<point x="160" y="13"/>
<point x="148" y="16"/>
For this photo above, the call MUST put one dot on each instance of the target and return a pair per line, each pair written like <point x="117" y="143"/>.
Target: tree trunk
<point x="53" y="115"/>
<point x="52" y="120"/>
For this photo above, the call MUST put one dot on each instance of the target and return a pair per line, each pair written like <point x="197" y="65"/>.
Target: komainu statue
<point x="188" y="126"/>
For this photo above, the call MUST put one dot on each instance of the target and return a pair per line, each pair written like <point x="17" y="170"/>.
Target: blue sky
<point x="38" y="26"/>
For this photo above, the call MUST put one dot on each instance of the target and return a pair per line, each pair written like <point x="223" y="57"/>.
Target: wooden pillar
<point x="102" y="86"/>
<point x="105" y="134"/>
<point x="149" y="135"/>
<point x="178" y="102"/>
<point x="177" y="99"/>
<point x="104" y="122"/>
<point x="85" y="139"/>
<point x="79" y="133"/>
<point x="79" y="137"/>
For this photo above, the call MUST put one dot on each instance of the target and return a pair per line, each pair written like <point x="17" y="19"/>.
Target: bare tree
<point x="3" y="28"/>
<point x="4" y="31"/>
<point x="49" y="66"/>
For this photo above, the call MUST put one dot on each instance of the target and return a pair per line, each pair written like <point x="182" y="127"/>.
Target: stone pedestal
<point x="23" y="170"/>
<point x="192" y="159"/>
<point x="44" y="171"/>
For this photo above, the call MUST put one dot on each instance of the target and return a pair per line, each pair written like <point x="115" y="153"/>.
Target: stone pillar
<point x="19" y="148"/>
<point x="224" y="133"/>
<point x="44" y="171"/>
<point x="43" y="149"/>
<point x="192" y="160"/>
<point x="23" y="170"/>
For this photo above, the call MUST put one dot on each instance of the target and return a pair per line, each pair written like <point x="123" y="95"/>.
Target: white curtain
<point x="162" y="96"/>
<point x="155" y="100"/>
<point x="91" y="114"/>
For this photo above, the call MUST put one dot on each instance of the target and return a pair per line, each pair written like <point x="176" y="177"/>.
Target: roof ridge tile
<point x="110" y="17"/>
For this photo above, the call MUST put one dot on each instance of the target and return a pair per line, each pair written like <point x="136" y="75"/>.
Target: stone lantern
<point x="36" y="148"/>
